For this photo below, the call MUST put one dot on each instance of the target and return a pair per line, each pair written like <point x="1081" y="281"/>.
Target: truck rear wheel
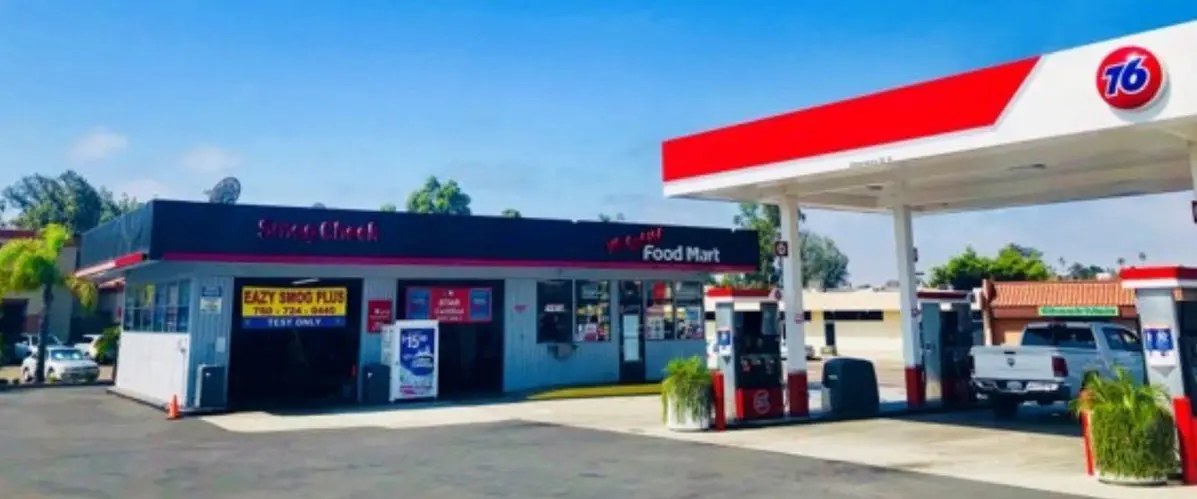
<point x="1005" y="407"/>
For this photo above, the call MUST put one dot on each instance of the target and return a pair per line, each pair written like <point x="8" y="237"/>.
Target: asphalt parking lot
<point x="81" y="442"/>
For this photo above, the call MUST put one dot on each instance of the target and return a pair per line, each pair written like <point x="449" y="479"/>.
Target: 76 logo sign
<point x="1130" y="78"/>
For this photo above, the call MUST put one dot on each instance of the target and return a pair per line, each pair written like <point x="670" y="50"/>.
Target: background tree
<point x="30" y="265"/>
<point x="1080" y="272"/>
<point x="388" y="208"/>
<point x="823" y="263"/>
<point x="1013" y="263"/>
<point x="68" y="200"/>
<point x="440" y="198"/>
<point x="512" y="213"/>
<point x="603" y="217"/>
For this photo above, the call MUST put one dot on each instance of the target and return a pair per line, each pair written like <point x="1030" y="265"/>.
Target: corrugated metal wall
<point x="371" y="344"/>
<point x="658" y="353"/>
<point x="210" y="341"/>
<point x="154" y="366"/>
<point x="528" y="365"/>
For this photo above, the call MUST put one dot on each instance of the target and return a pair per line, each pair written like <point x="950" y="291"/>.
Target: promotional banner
<point x="416" y="369"/>
<point x="450" y="305"/>
<point x="378" y="315"/>
<point x="270" y="308"/>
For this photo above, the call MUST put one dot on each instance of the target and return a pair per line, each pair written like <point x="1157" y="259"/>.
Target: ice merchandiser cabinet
<point x="750" y="360"/>
<point x="410" y="349"/>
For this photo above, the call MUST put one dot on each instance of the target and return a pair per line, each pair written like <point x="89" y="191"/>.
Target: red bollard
<point x="1087" y="442"/>
<point x="1182" y="410"/>
<point x="915" y="387"/>
<point x="799" y="393"/>
<point x="718" y="401"/>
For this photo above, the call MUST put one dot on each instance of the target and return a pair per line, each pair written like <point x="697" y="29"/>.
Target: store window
<point x="157" y="308"/>
<point x="687" y="311"/>
<point x="658" y="314"/>
<point x="554" y="302"/>
<point x="854" y="315"/>
<point x="593" y="315"/>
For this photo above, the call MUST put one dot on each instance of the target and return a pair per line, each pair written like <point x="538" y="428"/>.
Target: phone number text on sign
<point x="267" y="308"/>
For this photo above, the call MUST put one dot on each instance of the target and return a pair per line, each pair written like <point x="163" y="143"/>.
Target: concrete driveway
<point x="80" y="442"/>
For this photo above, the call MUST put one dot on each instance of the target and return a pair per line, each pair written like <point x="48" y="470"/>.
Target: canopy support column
<point x="796" y="380"/>
<point x="908" y="305"/>
<point x="1193" y="167"/>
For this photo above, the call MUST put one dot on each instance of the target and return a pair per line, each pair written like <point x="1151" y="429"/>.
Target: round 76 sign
<point x="1130" y="78"/>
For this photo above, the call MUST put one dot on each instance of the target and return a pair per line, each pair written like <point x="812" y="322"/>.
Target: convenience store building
<point x="287" y="303"/>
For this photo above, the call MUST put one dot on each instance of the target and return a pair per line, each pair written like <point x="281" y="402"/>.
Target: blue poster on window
<point x="418" y="303"/>
<point x="480" y="308"/>
<point x="417" y="363"/>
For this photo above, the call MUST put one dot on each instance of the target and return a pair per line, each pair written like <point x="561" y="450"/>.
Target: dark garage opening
<point x="470" y="353"/>
<point x="284" y="366"/>
<point x="12" y="324"/>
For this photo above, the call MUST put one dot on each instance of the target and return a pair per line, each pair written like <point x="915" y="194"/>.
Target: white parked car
<point x="66" y="364"/>
<point x="28" y="345"/>
<point x="89" y="347"/>
<point x="810" y="351"/>
<point x="1052" y="361"/>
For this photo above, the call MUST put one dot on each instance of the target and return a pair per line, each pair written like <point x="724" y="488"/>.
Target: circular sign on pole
<point x="1130" y="78"/>
<point x="760" y="402"/>
<point x="781" y="249"/>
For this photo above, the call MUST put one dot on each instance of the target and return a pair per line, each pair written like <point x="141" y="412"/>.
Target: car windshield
<point x="65" y="354"/>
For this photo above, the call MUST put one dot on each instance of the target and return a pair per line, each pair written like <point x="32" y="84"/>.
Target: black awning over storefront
<point x="190" y="231"/>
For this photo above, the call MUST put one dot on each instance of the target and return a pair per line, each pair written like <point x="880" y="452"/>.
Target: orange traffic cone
<point x="172" y="410"/>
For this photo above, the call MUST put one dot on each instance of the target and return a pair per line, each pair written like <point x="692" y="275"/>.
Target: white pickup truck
<point x="1051" y="362"/>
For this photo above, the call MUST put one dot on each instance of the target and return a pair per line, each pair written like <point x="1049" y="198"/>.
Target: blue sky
<point x="556" y="108"/>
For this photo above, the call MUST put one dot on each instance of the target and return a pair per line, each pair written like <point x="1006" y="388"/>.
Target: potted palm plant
<point x="1131" y="430"/>
<point x="686" y="395"/>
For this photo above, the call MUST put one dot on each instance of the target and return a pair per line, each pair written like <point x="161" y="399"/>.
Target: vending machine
<point x="749" y="358"/>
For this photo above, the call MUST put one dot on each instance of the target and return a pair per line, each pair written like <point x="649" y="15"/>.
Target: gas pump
<point x="1166" y="300"/>
<point x="749" y="352"/>
<point x="947" y="334"/>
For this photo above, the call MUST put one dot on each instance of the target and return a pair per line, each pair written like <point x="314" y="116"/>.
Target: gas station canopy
<point x="1114" y="118"/>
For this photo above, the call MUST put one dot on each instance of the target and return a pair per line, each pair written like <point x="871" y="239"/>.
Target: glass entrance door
<point x="631" y="331"/>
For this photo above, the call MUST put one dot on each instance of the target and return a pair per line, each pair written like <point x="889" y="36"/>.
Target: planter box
<point x="1110" y="479"/>
<point x="685" y="422"/>
<point x="1131" y="482"/>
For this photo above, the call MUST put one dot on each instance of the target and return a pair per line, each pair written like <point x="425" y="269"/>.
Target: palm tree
<point x="1142" y="257"/>
<point x="30" y="265"/>
<point x="1121" y="262"/>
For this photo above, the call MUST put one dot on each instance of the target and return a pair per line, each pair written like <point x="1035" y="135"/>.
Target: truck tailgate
<point x="1014" y="363"/>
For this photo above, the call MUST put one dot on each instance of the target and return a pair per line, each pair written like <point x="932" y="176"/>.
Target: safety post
<point x="1182" y="410"/>
<point x="1086" y="439"/>
<point x="799" y="393"/>
<point x="718" y="402"/>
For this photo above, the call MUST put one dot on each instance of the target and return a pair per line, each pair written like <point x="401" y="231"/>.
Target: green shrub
<point x="108" y="344"/>
<point x="1132" y="430"/>
<point x="687" y="386"/>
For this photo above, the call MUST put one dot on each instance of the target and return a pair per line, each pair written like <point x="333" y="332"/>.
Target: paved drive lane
<point x="81" y="443"/>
